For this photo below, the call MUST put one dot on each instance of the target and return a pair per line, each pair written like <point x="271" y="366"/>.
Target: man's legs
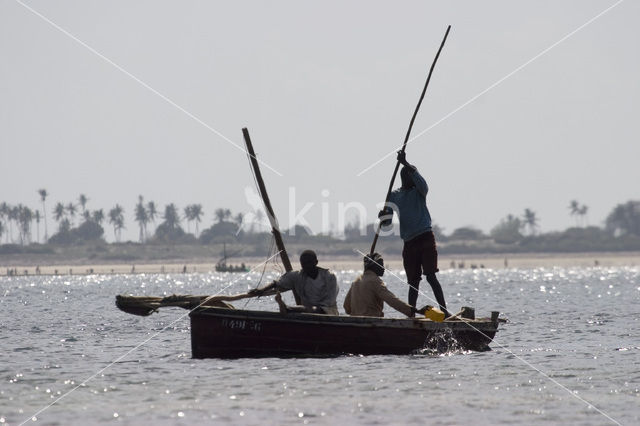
<point x="437" y="291"/>
<point x="413" y="293"/>
<point x="413" y="269"/>
<point x="430" y="267"/>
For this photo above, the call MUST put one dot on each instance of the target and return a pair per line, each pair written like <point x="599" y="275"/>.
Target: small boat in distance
<point x="222" y="266"/>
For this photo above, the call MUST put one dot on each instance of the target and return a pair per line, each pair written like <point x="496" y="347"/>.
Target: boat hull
<point x="229" y="333"/>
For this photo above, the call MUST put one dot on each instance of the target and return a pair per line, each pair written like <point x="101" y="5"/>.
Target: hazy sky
<point x="326" y="89"/>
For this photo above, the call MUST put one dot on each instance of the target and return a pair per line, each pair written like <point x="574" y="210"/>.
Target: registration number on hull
<point x="240" y="324"/>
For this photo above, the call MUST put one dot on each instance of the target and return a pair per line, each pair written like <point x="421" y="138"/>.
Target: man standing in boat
<point x="368" y="293"/>
<point x="317" y="287"/>
<point x="419" y="255"/>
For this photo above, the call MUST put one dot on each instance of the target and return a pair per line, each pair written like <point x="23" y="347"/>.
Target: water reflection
<point x="56" y="332"/>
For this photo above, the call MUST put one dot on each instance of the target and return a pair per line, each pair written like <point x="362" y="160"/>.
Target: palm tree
<point x="574" y="210"/>
<point x="196" y="215"/>
<point x="43" y="196"/>
<point x="82" y="199"/>
<point x="142" y="217"/>
<point x="38" y="224"/>
<point x="171" y="216"/>
<point x="152" y="212"/>
<point x="193" y="212"/>
<point x="188" y="214"/>
<point x="25" y="217"/>
<point x="227" y="214"/>
<point x="239" y="218"/>
<point x="71" y="209"/>
<point x="14" y="213"/>
<point x="116" y="218"/>
<point x="220" y="214"/>
<point x="530" y="220"/>
<point x="59" y="214"/>
<point x="98" y="216"/>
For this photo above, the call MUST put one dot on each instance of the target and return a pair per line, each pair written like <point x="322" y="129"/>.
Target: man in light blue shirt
<point x="419" y="255"/>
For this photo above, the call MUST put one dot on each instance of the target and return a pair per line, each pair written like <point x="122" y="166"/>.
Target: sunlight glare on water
<point x="580" y="326"/>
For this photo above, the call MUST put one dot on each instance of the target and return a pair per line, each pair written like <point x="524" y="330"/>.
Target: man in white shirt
<point x="317" y="287"/>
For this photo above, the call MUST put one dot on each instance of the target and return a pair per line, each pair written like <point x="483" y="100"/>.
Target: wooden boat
<point x="219" y="331"/>
<point x="230" y="333"/>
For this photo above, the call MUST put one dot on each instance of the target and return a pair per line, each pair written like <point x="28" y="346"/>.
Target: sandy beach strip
<point x="343" y="263"/>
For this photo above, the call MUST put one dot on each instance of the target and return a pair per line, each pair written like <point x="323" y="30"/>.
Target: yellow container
<point x="434" y="314"/>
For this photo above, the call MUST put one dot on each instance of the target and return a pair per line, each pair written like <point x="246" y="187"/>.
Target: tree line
<point x="76" y="223"/>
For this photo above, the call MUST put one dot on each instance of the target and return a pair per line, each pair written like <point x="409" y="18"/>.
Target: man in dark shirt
<point x="419" y="254"/>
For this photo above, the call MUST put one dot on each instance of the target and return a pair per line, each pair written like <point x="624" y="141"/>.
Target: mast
<point x="275" y="228"/>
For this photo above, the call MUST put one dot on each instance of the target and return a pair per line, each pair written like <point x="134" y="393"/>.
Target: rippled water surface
<point x="570" y="354"/>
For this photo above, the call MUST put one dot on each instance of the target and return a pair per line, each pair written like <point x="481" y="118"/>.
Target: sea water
<point x="570" y="353"/>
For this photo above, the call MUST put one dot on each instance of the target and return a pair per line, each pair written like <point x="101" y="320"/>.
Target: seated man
<point x="316" y="287"/>
<point x="368" y="292"/>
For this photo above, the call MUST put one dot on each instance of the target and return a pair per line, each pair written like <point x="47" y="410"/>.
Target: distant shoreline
<point x="338" y="263"/>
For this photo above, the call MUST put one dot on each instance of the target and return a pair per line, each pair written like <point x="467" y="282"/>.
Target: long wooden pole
<point x="406" y="138"/>
<point x="275" y="228"/>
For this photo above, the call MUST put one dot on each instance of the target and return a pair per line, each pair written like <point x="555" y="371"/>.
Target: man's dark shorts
<point x="419" y="256"/>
